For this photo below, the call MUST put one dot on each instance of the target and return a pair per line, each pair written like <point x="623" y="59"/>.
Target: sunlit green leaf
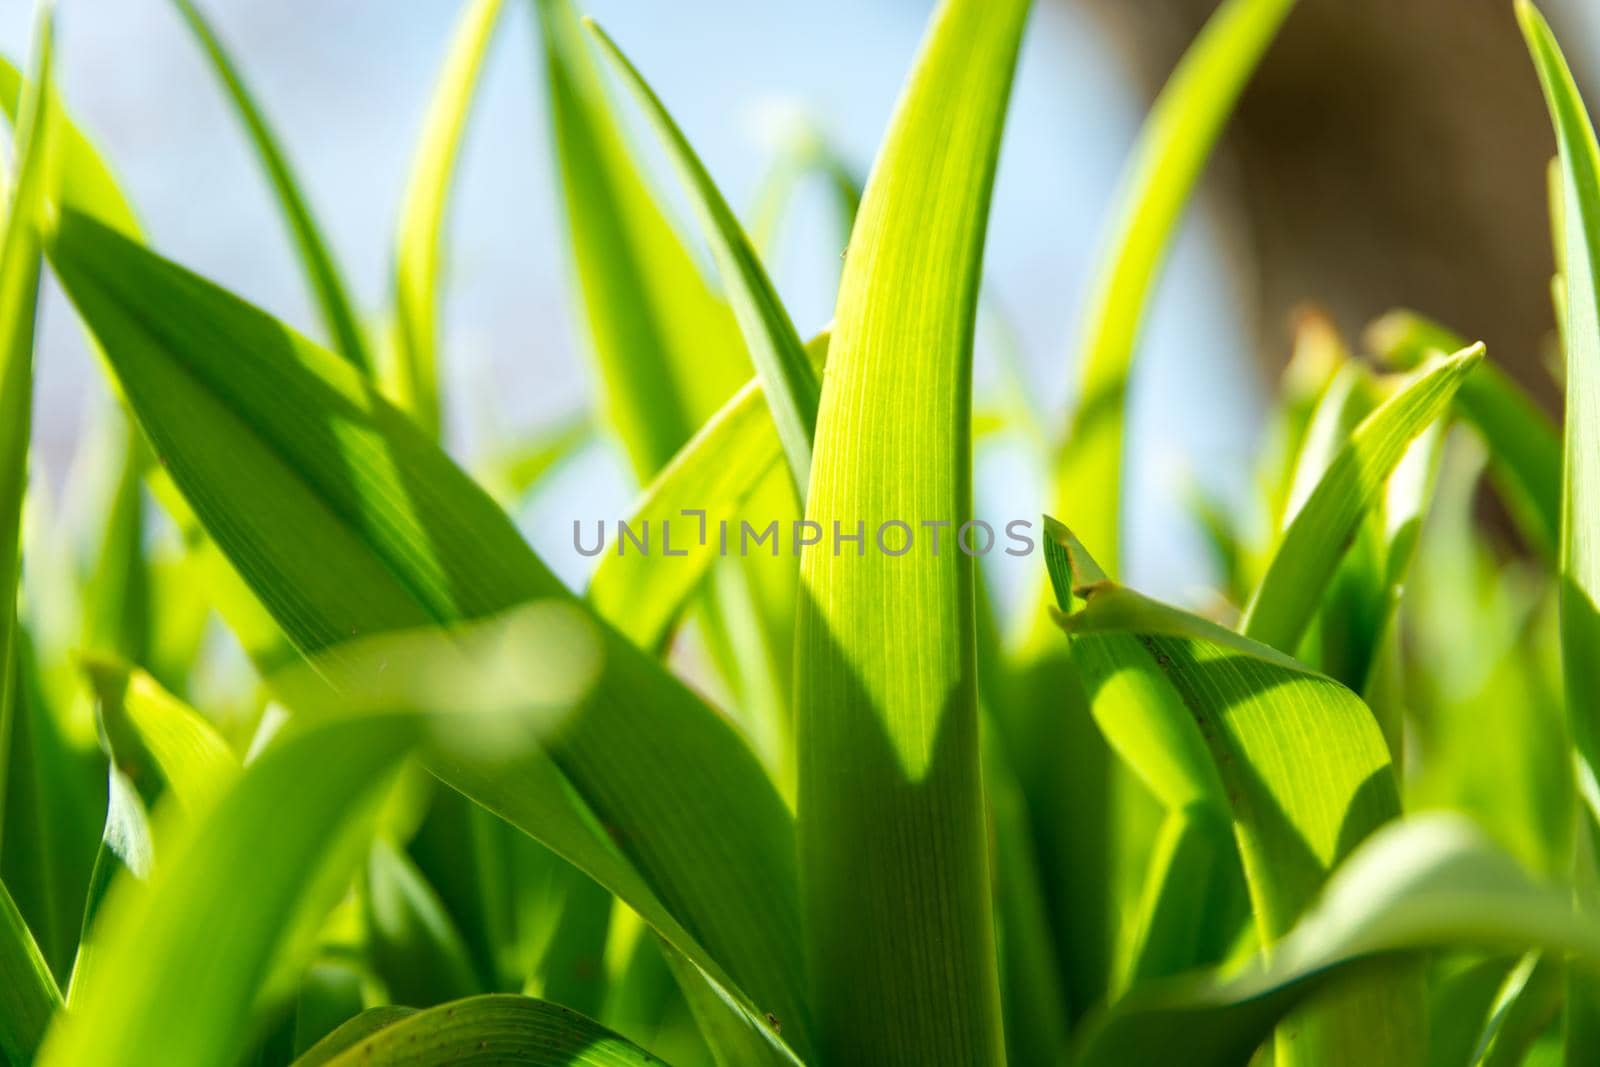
<point x="418" y="251"/>
<point x="892" y="841"/>
<point x="1322" y="527"/>
<point x="1425" y="883"/>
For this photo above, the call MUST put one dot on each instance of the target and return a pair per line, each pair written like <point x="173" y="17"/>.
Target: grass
<point x="445" y="810"/>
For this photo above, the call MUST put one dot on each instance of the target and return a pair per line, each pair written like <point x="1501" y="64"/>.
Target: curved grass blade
<point x="28" y="994"/>
<point x="1303" y="768"/>
<point x="351" y="1032"/>
<point x="346" y="520"/>
<point x="199" y="943"/>
<point x="892" y="842"/>
<point x="1428" y="882"/>
<point x="668" y="349"/>
<point x="322" y="273"/>
<point x="787" y="378"/>
<point x="1174" y="144"/>
<point x="716" y="473"/>
<point x="1524" y="442"/>
<point x="415" y="380"/>
<point x="493" y="1029"/>
<point x="1320" y="531"/>
<point x="1580" y="500"/>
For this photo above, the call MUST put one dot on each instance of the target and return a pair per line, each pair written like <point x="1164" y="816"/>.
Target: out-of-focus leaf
<point x="788" y="381"/>
<point x="80" y="179"/>
<point x="201" y="940"/>
<point x="513" y="471"/>
<point x="667" y="348"/>
<point x="493" y="1029"/>
<point x="1321" y="529"/>
<point x="1298" y="758"/>
<point x="330" y="996"/>
<point x="1580" y="500"/>
<point x="415" y="375"/>
<point x="715" y="473"/>
<point x="20" y="258"/>
<point x="346" y="520"/>
<point x="416" y="949"/>
<point x="892" y="841"/>
<point x="803" y="151"/>
<point x="1428" y="882"/>
<point x="1174" y="145"/>
<point x="28" y="993"/>
<point x="153" y="732"/>
<point x="322" y="273"/>
<point x="1524" y="443"/>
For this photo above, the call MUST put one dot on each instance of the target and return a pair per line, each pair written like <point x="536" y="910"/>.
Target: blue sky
<point x="346" y="83"/>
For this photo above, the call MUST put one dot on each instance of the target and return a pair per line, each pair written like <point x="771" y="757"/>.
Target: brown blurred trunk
<point x="1387" y="153"/>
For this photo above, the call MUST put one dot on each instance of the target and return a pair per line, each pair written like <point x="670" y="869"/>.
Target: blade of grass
<point x="1578" y="303"/>
<point x="1299" y="759"/>
<point x="1428" y="882"/>
<point x="1580" y="500"/>
<point x="1524" y="443"/>
<point x="716" y="473"/>
<point x="346" y="520"/>
<point x="493" y="1029"/>
<point x="1174" y="145"/>
<point x="1317" y="536"/>
<point x="20" y="259"/>
<point x="667" y="349"/>
<point x="322" y="273"/>
<point x="351" y="1032"/>
<point x="415" y="379"/>
<point x="787" y="378"/>
<point x="415" y="947"/>
<point x="201" y="940"/>
<point x="28" y="994"/>
<point x="892" y="841"/>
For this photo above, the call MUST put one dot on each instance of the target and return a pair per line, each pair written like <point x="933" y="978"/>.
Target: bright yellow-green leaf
<point x="787" y="378"/>
<point x="1322" y="527"/>
<point x="414" y="378"/>
<point x="892" y="841"/>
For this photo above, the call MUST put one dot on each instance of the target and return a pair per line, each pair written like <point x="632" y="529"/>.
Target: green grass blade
<point x="494" y="1029"/>
<point x="668" y="350"/>
<point x="322" y="273"/>
<point x="152" y="731"/>
<point x="417" y="258"/>
<point x="716" y="472"/>
<point x="1429" y="882"/>
<point x="1299" y="759"/>
<point x="415" y="947"/>
<point x="81" y="178"/>
<point x="1320" y="531"/>
<point x="199" y="943"/>
<point x="28" y="994"/>
<point x="1524" y="442"/>
<point x="787" y="378"/>
<point x="1580" y="500"/>
<point x="1194" y="899"/>
<point x="891" y="814"/>
<point x="351" y="1032"/>
<point x="1173" y="147"/>
<point x="26" y="191"/>
<point x="346" y="520"/>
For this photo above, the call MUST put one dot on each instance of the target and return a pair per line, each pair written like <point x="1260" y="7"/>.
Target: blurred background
<point x="1387" y="154"/>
